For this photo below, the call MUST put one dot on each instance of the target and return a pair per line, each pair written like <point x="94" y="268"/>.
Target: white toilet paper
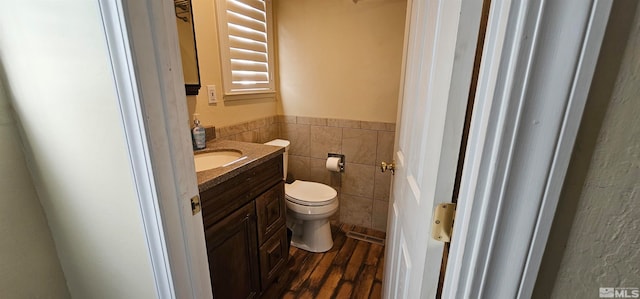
<point x="333" y="164"/>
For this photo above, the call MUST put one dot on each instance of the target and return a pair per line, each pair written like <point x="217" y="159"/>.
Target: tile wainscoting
<point x="363" y="190"/>
<point x="256" y="131"/>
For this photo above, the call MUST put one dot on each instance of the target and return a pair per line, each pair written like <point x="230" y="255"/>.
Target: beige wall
<point x="223" y="113"/>
<point x="595" y="239"/>
<point x="340" y="59"/>
<point x="27" y="253"/>
<point x="60" y="83"/>
<point x="337" y="59"/>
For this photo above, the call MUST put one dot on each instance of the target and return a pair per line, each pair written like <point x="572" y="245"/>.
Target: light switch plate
<point x="211" y="93"/>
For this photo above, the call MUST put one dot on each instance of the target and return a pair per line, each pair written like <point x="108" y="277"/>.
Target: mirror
<point x="187" y="38"/>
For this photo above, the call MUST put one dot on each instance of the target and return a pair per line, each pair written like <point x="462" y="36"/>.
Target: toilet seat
<point x="310" y="193"/>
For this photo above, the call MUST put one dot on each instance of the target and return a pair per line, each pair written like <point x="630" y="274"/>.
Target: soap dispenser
<point x="197" y="134"/>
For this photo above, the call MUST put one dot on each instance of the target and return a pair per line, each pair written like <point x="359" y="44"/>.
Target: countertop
<point x="256" y="154"/>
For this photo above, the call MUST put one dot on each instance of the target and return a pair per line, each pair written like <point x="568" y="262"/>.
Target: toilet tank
<point x="285" y="156"/>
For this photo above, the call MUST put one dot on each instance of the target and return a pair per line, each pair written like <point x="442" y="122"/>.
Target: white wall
<point x="58" y="73"/>
<point x="595" y="239"/>
<point x="340" y="59"/>
<point x="27" y="253"/>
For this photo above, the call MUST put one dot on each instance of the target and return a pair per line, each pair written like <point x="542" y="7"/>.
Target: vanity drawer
<point x="271" y="210"/>
<point x="273" y="257"/>
<point x="228" y="196"/>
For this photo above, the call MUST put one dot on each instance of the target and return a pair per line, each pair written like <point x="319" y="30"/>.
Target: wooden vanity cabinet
<point x="232" y="252"/>
<point x="271" y="212"/>
<point x="272" y="233"/>
<point x="244" y="219"/>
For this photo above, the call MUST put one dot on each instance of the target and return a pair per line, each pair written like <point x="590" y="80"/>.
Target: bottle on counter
<point x="197" y="134"/>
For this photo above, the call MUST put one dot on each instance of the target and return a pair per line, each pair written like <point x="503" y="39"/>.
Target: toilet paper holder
<point x="341" y="156"/>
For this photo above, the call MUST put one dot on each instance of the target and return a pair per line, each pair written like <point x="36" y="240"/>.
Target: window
<point x="246" y="46"/>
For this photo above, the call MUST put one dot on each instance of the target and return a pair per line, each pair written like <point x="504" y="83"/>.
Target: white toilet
<point x="309" y="206"/>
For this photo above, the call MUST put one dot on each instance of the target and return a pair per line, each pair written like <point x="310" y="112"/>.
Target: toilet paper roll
<point x="333" y="164"/>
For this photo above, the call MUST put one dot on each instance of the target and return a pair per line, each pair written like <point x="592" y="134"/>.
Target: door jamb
<point x="142" y="42"/>
<point x="138" y="148"/>
<point x="507" y="118"/>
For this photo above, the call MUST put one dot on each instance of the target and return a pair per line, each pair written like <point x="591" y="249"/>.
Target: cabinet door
<point x="273" y="257"/>
<point x="271" y="210"/>
<point x="232" y="251"/>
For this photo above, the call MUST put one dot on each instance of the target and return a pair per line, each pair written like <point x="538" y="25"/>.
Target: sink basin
<point x="211" y="160"/>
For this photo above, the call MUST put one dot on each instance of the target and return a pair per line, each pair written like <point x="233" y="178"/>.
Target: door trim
<point x="138" y="148"/>
<point x="509" y="193"/>
<point x="141" y="37"/>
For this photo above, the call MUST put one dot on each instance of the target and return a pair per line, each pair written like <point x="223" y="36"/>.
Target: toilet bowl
<point x="309" y="206"/>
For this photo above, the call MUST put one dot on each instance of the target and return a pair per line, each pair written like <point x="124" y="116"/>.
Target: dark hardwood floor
<point x="351" y="269"/>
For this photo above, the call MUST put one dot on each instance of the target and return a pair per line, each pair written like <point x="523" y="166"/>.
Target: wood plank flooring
<point x="351" y="269"/>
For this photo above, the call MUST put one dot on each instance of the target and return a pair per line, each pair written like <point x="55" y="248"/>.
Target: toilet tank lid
<point x="279" y="142"/>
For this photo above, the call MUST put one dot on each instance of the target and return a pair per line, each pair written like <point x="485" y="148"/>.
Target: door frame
<point x="498" y="242"/>
<point x="142" y="42"/>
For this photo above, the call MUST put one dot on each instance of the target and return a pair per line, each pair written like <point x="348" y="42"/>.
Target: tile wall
<point x="257" y="131"/>
<point x="363" y="190"/>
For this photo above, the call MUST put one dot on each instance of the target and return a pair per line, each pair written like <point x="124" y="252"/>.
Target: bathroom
<point x="73" y="211"/>
<point x="315" y="107"/>
<point x="81" y="194"/>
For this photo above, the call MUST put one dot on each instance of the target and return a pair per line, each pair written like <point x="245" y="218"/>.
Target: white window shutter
<point x="246" y="46"/>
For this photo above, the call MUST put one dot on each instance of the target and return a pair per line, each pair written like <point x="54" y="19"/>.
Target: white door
<point x="428" y="136"/>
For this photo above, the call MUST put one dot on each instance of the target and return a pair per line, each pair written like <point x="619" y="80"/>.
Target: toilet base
<point x="312" y="235"/>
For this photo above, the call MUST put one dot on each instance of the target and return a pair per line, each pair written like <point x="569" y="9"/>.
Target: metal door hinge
<point x="195" y="204"/>
<point x="443" y="217"/>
